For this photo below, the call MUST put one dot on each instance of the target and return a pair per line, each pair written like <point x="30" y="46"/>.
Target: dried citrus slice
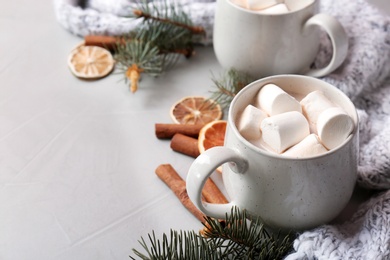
<point x="90" y="62"/>
<point x="211" y="135"/>
<point x="195" y="110"/>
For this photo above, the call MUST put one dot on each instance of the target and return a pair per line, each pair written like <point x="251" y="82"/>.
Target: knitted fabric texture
<point x="113" y="17"/>
<point x="364" y="77"/>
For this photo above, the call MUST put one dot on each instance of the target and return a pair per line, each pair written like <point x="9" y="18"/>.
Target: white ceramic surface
<point x="286" y="193"/>
<point x="266" y="44"/>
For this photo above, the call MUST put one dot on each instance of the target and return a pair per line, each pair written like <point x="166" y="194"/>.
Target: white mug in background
<point x="262" y="44"/>
<point x="286" y="193"/>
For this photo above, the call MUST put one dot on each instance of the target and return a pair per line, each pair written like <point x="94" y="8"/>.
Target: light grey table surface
<point x="77" y="158"/>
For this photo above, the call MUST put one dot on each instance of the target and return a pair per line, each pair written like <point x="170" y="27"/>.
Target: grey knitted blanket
<point x="364" y="77"/>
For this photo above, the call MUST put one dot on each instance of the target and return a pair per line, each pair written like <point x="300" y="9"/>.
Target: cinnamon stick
<point x="171" y="178"/>
<point x="167" y="131"/>
<point x="185" y="145"/>
<point x="212" y="193"/>
<point x="103" y="41"/>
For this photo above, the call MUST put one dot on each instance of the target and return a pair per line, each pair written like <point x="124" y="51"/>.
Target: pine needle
<point x="228" y="85"/>
<point x="155" y="46"/>
<point x="237" y="237"/>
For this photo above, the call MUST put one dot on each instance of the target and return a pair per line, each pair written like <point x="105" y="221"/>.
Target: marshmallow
<point x="284" y="130"/>
<point x="274" y="100"/>
<point x="334" y="126"/>
<point x="240" y="3"/>
<point x="309" y="146"/>
<point x="313" y="105"/>
<point x="261" y="4"/>
<point x="249" y="122"/>
<point x="276" y="9"/>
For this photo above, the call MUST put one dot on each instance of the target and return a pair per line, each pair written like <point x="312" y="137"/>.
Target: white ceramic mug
<point x="286" y="193"/>
<point x="270" y="44"/>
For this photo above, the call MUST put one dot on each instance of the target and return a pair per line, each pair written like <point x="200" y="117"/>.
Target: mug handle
<point x="339" y="40"/>
<point x="201" y="169"/>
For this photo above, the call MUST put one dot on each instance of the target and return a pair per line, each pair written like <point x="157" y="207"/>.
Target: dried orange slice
<point x="194" y="110"/>
<point x="211" y="135"/>
<point x="90" y="62"/>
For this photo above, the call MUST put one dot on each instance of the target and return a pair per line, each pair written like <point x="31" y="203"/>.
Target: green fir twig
<point x="186" y="24"/>
<point x="165" y="34"/>
<point x="228" y="85"/>
<point x="172" y="29"/>
<point x="237" y="237"/>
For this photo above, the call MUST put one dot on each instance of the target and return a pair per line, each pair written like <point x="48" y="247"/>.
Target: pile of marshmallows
<point x="281" y="124"/>
<point x="264" y="6"/>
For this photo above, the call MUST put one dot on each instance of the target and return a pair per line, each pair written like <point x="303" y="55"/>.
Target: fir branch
<point x="165" y="12"/>
<point x="248" y="238"/>
<point x="137" y="56"/>
<point x="193" y="29"/>
<point x="176" y="27"/>
<point x="228" y="85"/>
<point x="237" y="237"/>
<point x="165" y="35"/>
